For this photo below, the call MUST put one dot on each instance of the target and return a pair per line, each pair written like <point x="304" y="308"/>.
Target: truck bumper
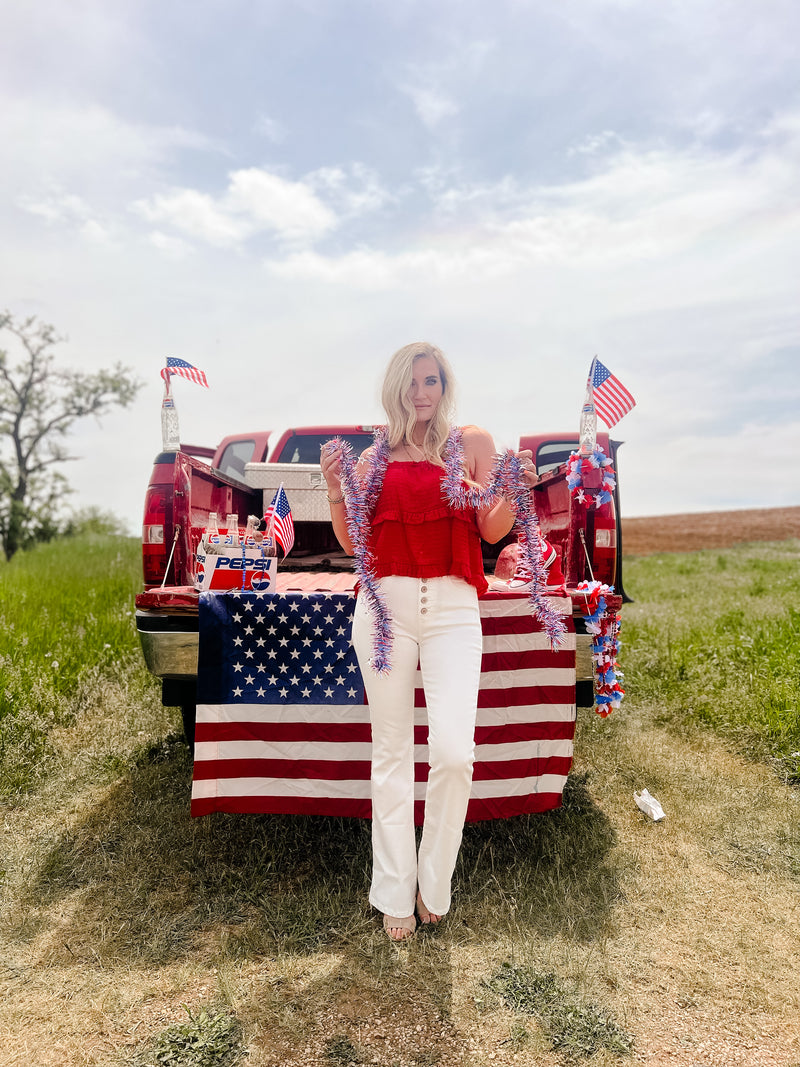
<point x="169" y="643"/>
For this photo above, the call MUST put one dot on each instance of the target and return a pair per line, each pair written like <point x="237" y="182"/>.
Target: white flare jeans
<point x="436" y="622"/>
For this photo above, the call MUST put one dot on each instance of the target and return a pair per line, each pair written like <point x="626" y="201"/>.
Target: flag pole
<point x="271" y="525"/>
<point x="587" y="432"/>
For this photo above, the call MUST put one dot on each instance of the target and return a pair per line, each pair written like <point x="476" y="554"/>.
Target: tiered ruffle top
<point x="416" y="534"/>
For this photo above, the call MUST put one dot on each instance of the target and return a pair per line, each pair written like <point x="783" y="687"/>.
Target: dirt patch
<point x="708" y="529"/>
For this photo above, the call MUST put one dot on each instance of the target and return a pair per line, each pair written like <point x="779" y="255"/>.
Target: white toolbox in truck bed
<point x="303" y="483"/>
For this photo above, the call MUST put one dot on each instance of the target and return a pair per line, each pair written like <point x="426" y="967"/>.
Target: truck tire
<point x="188" y="715"/>
<point x="180" y="693"/>
<point x="584" y="694"/>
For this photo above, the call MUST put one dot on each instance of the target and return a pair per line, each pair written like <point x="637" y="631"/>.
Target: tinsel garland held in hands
<point x="505" y="481"/>
<point x="603" y="625"/>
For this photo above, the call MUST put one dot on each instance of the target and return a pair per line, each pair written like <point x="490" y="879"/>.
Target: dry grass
<point x="119" y="913"/>
<point x="686" y="930"/>
<point x="708" y="529"/>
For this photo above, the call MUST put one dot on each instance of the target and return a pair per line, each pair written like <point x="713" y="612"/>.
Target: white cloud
<point x="689" y="214"/>
<point x="97" y="233"/>
<point x="289" y="208"/>
<point x="196" y="214"/>
<point x="711" y="471"/>
<point x="433" y="87"/>
<point x="172" y="247"/>
<point x="354" y="192"/>
<point x="432" y="105"/>
<point x="72" y="145"/>
<point x="596" y="143"/>
<point x="270" y="129"/>
<point x="56" y="207"/>
<point x="68" y="210"/>
<point x="365" y="269"/>
<point x="254" y="202"/>
<point x="374" y="269"/>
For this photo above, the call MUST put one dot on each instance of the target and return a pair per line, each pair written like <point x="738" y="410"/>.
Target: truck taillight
<point x="156" y="530"/>
<point x="604" y="557"/>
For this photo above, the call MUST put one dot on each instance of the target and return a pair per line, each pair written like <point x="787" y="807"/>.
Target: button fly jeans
<point x="434" y="621"/>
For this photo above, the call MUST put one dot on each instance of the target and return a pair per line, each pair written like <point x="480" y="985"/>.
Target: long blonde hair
<point x="402" y="417"/>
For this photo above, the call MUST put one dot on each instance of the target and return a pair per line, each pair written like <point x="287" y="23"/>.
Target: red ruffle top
<point x="416" y="534"/>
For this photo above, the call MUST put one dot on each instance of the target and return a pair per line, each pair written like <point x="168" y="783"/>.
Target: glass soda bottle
<point x="212" y="532"/>
<point x="250" y="532"/>
<point x="232" y="524"/>
<point x="170" y="431"/>
<point x="587" y="432"/>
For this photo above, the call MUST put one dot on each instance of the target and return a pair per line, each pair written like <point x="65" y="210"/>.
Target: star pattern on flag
<point x="292" y="649"/>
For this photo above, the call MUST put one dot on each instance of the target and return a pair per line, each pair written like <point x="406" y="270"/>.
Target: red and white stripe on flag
<point x="183" y="370"/>
<point x="611" y="399"/>
<point x="301" y="758"/>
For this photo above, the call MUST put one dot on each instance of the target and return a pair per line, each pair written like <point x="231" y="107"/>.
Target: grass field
<point x="66" y="610"/>
<point x="131" y="934"/>
<point x="713" y="639"/>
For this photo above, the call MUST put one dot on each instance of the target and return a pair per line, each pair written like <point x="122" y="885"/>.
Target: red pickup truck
<point x="241" y="475"/>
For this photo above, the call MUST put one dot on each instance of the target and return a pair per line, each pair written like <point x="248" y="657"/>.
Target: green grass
<point x="209" y="1039"/>
<point x="67" y="618"/>
<point x="340" y="1049"/>
<point x="713" y="640"/>
<point x="575" y="1029"/>
<point x="109" y="875"/>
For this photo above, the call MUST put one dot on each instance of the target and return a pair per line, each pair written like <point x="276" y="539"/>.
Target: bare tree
<point x="39" y="403"/>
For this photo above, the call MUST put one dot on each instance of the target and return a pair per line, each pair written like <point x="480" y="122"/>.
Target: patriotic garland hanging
<point x="579" y="465"/>
<point x="504" y="481"/>
<point x="603" y="625"/>
<point x="361" y="499"/>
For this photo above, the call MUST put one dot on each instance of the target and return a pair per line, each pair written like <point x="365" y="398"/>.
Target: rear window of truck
<point x="304" y="448"/>
<point x="234" y="458"/>
<point x="550" y="456"/>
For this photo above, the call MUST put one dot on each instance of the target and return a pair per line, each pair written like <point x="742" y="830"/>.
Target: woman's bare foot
<point x="427" y="918"/>
<point x="399" y="929"/>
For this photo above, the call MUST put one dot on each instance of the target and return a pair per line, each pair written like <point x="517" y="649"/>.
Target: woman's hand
<point x="495" y="521"/>
<point x="330" y="460"/>
<point x="529" y="475"/>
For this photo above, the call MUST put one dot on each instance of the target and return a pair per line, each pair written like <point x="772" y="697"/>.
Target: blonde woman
<point x="427" y="565"/>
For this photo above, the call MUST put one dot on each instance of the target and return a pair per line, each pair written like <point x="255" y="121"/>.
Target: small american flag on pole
<point x="278" y="518"/>
<point x="611" y="399"/>
<point x="183" y="370"/>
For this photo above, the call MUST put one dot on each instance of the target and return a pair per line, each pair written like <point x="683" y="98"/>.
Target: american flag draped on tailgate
<point x="282" y="726"/>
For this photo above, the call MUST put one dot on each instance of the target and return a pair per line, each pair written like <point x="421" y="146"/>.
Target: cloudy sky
<point x="283" y="192"/>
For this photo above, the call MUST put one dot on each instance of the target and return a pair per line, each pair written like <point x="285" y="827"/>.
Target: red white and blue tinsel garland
<point x="505" y="480"/>
<point x="361" y="497"/>
<point x="603" y="625"/>
<point x="579" y="465"/>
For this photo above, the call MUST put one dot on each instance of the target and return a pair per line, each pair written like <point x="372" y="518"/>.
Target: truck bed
<point x="183" y="490"/>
